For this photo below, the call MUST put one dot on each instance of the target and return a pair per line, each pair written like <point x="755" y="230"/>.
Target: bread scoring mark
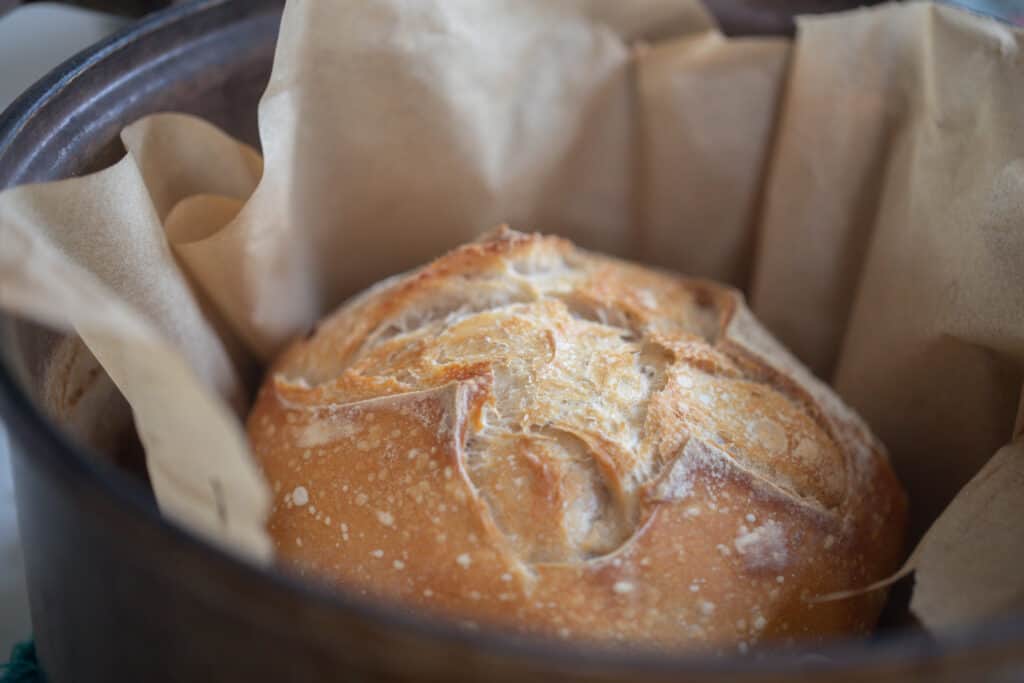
<point x="559" y="473"/>
<point x="324" y="423"/>
<point x="677" y="482"/>
<point x="701" y="461"/>
<point x="587" y="310"/>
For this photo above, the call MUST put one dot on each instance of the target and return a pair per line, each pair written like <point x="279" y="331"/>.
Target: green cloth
<point x="23" y="666"/>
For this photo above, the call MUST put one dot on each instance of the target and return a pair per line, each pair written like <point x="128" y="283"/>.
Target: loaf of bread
<point x="526" y="435"/>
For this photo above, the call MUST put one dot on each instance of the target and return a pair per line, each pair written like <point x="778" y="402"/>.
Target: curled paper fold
<point x="89" y="255"/>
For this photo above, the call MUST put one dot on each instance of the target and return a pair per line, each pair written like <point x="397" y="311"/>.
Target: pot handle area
<point x="127" y="8"/>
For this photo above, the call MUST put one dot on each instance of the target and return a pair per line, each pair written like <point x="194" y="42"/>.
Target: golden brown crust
<point x="527" y="435"/>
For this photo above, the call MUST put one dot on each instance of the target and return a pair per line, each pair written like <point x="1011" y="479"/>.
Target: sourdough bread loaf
<point x="528" y="435"/>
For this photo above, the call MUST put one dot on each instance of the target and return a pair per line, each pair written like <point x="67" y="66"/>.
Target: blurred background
<point x="33" y="39"/>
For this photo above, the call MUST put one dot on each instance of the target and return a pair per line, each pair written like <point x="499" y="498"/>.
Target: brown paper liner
<point x="865" y="182"/>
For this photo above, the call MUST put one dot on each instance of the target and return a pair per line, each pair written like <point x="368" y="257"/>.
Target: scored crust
<point x="527" y="435"/>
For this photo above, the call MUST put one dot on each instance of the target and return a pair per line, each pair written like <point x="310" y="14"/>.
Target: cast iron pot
<point x="119" y="594"/>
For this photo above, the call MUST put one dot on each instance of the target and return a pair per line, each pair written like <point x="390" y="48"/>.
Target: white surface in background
<point x="38" y="37"/>
<point x="33" y="40"/>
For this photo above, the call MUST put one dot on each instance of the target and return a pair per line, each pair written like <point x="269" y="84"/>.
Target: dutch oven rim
<point x="40" y="439"/>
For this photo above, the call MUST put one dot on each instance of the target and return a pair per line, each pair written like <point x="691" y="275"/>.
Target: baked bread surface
<point x="528" y="435"/>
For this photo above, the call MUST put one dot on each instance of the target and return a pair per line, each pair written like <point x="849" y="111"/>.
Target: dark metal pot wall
<point x="118" y="594"/>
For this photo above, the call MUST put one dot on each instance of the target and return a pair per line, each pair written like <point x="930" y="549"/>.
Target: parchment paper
<point x="89" y="254"/>
<point x="864" y="184"/>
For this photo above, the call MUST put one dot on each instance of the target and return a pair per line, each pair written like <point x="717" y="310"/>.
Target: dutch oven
<point x="119" y="594"/>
